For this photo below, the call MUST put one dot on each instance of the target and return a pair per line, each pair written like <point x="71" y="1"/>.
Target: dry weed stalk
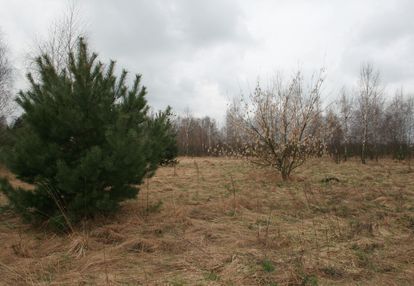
<point x="198" y="171"/>
<point x="78" y="245"/>
<point x="147" y="208"/>
<point x="106" y="266"/>
<point x="53" y="194"/>
<point x="232" y="189"/>
<point x="19" y="248"/>
<point x="306" y="188"/>
<point x="267" y="228"/>
<point x="145" y="272"/>
<point x="265" y="239"/>
<point x="316" y="240"/>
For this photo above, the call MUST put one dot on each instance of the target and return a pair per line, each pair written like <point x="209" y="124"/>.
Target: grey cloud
<point x="198" y="54"/>
<point x="210" y="22"/>
<point x="386" y="39"/>
<point x="390" y="24"/>
<point x="178" y="46"/>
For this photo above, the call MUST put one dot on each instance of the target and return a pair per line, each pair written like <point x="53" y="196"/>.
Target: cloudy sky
<point x="198" y="54"/>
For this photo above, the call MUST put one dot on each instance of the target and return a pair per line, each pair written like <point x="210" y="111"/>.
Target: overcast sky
<point x="198" y="54"/>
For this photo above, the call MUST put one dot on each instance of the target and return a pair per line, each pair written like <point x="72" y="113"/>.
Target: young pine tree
<point x="164" y="135"/>
<point x="85" y="141"/>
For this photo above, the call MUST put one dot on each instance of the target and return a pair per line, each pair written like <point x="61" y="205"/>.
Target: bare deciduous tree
<point x="333" y="135"/>
<point x="234" y="139"/>
<point x="410" y="128"/>
<point x="196" y="136"/>
<point x="282" y="123"/>
<point x="345" y="113"/>
<point x="397" y="125"/>
<point x="62" y="39"/>
<point x="370" y="100"/>
<point x="6" y="98"/>
<point x="188" y="125"/>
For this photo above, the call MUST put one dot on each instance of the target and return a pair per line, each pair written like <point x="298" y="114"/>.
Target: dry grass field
<point x="218" y="221"/>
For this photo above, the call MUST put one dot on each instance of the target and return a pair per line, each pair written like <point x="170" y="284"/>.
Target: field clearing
<point x="215" y="221"/>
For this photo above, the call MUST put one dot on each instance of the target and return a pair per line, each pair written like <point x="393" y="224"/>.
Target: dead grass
<point x="224" y="222"/>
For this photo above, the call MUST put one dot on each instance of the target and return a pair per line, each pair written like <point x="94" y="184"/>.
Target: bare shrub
<point x="282" y="123"/>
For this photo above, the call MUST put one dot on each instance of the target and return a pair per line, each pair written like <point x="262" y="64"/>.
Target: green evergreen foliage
<point x="85" y="140"/>
<point x="164" y="136"/>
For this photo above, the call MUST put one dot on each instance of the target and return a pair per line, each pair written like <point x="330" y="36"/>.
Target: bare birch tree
<point x="410" y="128"/>
<point x="62" y="38"/>
<point x="6" y="98"/>
<point x="345" y="113"/>
<point x="369" y="100"/>
<point x="397" y="125"/>
<point x="188" y="125"/>
<point x="333" y="135"/>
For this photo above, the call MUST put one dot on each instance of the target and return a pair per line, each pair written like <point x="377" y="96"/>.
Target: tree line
<point x="364" y="121"/>
<point x="287" y="120"/>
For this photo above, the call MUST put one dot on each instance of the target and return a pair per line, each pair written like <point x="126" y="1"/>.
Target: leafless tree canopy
<point x="281" y="126"/>
<point x="282" y="123"/>
<point x="62" y="38"/>
<point x="196" y="136"/>
<point x="369" y="101"/>
<point x="5" y="83"/>
<point x="345" y="117"/>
